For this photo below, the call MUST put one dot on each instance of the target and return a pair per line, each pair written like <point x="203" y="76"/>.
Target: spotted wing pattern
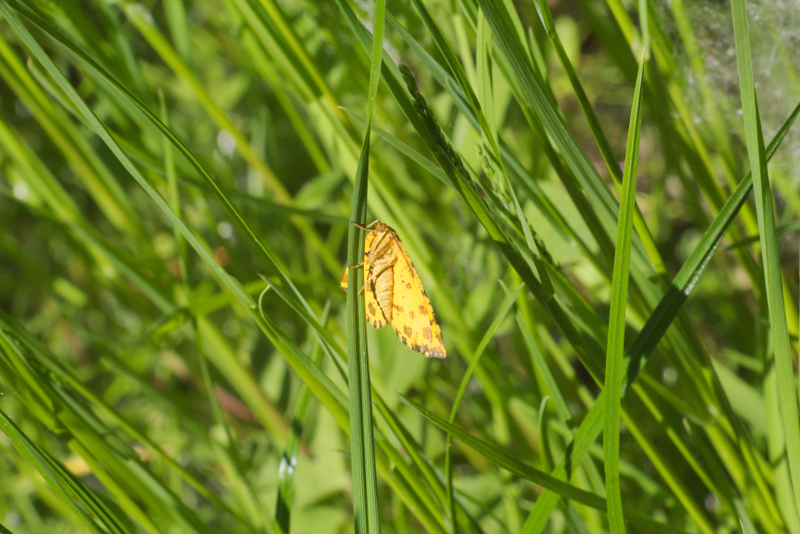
<point x="395" y="292"/>
<point x="412" y="316"/>
<point x="373" y="310"/>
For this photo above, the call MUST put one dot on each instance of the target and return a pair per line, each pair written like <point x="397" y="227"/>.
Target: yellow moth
<point x="394" y="293"/>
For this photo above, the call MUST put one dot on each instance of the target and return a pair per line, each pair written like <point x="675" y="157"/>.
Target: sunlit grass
<point x="148" y="388"/>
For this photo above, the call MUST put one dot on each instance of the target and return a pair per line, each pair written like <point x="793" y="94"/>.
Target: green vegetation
<point x="149" y="386"/>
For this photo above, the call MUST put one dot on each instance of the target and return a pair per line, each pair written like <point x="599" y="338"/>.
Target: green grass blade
<point x="779" y="231"/>
<point x="536" y="98"/>
<point x="129" y="361"/>
<point x="361" y="436"/>
<point x="56" y="476"/>
<point x="90" y="117"/>
<point x="214" y="187"/>
<point x="616" y="329"/>
<point x="495" y="453"/>
<point x="765" y="210"/>
<point x="487" y="130"/>
<point x="362" y="443"/>
<point x="654" y="329"/>
<point x="686" y="279"/>
<point x="473" y="364"/>
<point x="597" y="131"/>
<point x="541" y="366"/>
<point x="288" y="463"/>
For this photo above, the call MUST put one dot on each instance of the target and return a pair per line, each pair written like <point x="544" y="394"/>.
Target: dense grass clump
<point x="589" y="196"/>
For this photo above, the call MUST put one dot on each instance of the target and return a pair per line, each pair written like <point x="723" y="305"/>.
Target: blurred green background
<point x="145" y="388"/>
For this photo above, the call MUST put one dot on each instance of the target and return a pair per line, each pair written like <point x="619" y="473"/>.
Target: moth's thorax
<point x="380" y="228"/>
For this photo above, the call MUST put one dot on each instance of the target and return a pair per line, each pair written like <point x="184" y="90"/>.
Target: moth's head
<point x="380" y="228"/>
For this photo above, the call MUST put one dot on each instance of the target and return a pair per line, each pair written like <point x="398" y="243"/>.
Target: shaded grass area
<point x="150" y="386"/>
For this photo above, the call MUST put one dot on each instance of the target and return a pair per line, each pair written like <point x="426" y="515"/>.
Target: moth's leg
<point x="363" y="287"/>
<point x="357" y="266"/>
<point x="369" y="278"/>
<point x="366" y="279"/>
<point x="367" y="227"/>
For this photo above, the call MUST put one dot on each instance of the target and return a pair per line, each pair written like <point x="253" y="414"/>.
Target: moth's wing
<point x="412" y="316"/>
<point x="372" y="308"/>
<point x="367" y="244"/>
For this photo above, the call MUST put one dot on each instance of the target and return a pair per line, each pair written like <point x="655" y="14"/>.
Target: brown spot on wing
<point x="373" y="312"/>
<point x="392" y="286"/>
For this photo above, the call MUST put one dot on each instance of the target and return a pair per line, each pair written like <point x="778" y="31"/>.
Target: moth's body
<point x="381" y="273"/>
<point x="395" y="295"/>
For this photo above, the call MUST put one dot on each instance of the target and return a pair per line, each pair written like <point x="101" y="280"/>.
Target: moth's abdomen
<point x="384" y="290"/>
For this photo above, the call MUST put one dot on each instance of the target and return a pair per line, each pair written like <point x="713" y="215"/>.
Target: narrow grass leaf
<point x="289" y="457"/>
<point x="765" y="210"/>
<point x="779" y="231"/>
<point x="362" y="443"/>
<point x="59" y="479"/>
<point x="301" y="364"/>
<point x="654" y="329"/>
<point x="536" y="98"/>
<point x="502" y="310"/>
<point x="541" y="366"/>
<point x="487" y="130"/>
<point x="597" y="131"/>
<point x="495" y="454"/>
<point x="615" y="350"/>
<point x="404" y="148"/>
